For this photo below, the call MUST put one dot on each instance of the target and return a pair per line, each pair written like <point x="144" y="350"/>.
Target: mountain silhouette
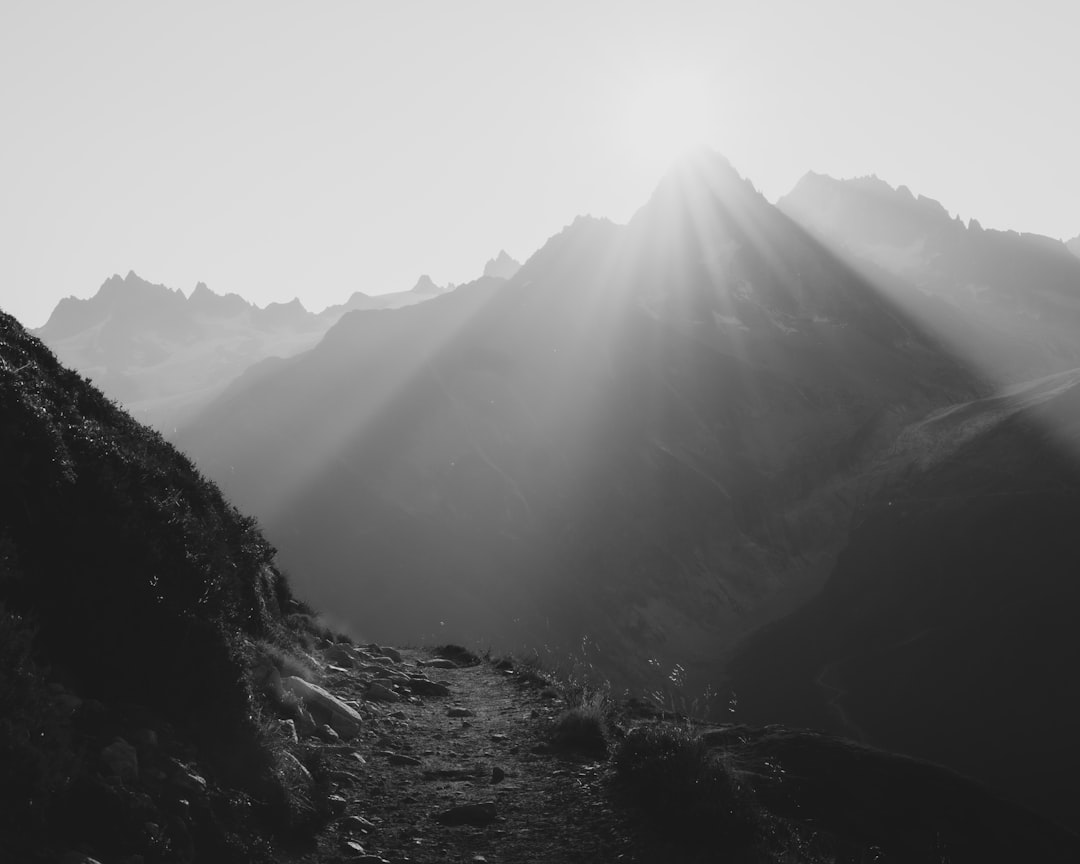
<point x="643" y="440"/>
<point x="502" y="266"/>
<point x="163" y="355"/>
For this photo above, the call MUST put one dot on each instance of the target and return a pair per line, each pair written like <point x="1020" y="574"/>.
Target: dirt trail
<point x="546" y="809"/>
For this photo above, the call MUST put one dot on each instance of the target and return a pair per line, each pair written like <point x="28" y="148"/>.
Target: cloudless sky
<point x="316" y="148"/>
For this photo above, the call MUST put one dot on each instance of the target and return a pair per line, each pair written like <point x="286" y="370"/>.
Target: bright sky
<point x="313" y="149"/>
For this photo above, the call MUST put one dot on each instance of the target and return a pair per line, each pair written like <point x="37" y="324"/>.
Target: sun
<point x="667" y="117"/>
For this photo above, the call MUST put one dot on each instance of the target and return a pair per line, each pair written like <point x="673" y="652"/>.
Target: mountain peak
<point x="502" y="266"/>
<point x="424" y="285"/>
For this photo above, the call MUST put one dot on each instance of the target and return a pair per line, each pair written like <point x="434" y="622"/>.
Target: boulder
<point x="392" y="653"/>
<point x="343" y="719"/>
<point x="379" y="691"/>
<point x="478" y="815"/>
<point x="427" y="688"/>
<point x="121" y="759"/>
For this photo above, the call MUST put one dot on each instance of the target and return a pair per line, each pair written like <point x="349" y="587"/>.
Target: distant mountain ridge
<point x="502" y="266"/>
<point x="1021" y="290"/>
<point x="164" y="354"/>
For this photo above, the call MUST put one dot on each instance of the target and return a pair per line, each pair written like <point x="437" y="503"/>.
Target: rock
<point x="78" y="858"/>
<point x="326" y="733"/>
<point x="439" y="663"/>
<point x="340" y="656"/>
<point x="356" y="825"/>
<point x="497" y="775"/>
<point x="459" y="712"/>
<point x="122" y="760"/>
<point x="392" y="653"/>
<point x="188" y="781"/>
<point x="381" y="692"/>
<point x="344" y="720"/>
<point x="337" y="804"/>
<point x="145" y="738"/>
<point x="400" y="758"/>
<point x="428" y="688"/>
<point x="288" y="729"/>
<point x="498" y="737"/>
<point x="293" y="768"/>
<point x="477" y="815"/>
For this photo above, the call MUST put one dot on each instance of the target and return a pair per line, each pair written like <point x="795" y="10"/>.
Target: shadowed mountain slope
<point x="642" y="440"/>
<point x="946" y="629"/>
<point x="130" y="595"/>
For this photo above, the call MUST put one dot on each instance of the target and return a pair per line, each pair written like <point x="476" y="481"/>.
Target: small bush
<point x="583" y="728"/>
<point x="682" y="786"/>
<point x="459" y="655"/>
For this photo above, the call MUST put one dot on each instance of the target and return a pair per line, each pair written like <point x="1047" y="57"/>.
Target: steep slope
<point x="642" y="441"/>
<point x="131" y="594"/>
<point x="1074" y="245"/>
<point x="1022" y="291"/>
<point x="946" y="629"/>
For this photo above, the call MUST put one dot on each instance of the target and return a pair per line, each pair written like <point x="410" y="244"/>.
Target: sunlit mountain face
<point x="642" y="446"/>
<point x="1017" y="293"/>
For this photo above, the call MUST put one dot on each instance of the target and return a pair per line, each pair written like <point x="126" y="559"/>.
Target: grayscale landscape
<point x="558" y="434"/>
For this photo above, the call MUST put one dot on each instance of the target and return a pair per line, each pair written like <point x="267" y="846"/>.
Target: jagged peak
<point x="502" y="266"/>
<point x="424" y="285"/>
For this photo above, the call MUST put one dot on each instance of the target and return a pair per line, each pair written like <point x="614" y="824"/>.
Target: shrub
<point x="583" y="728"/>
<point x="668" y="772"/>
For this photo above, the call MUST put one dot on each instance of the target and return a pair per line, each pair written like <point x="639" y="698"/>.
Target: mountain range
<point x="163" y="354"/>
<point x="644" y="442"/>
<point x="818" y="456"/>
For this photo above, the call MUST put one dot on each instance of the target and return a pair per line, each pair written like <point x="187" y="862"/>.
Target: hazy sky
<point x="316" y="148"/>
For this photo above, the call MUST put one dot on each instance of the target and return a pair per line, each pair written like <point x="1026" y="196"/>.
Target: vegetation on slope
<point x="130" y="594"/>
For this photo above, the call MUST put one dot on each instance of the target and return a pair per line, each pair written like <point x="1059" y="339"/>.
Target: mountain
<point x="946" y="628"/>
<point x="423" y="290"/>
<point x="1073" y="245"/>
<point x="502" y="266"/>
<point x="162" y="354"/>
<point x="424" y="285"/>
<point x="639" y="447"/>
<point x="1020" y="291"/>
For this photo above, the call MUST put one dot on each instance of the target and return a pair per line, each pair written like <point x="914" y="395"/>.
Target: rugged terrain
<point x="165" y="699"/>
<point x="648" y="440"/>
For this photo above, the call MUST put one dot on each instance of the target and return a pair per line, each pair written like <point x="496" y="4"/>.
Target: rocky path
<point x="462" y="777"/>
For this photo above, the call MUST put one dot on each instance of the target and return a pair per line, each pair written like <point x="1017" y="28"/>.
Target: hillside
<point x="644" y="442"/>
<point x="946" y="628"/>
<point x="131" y="598"/>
